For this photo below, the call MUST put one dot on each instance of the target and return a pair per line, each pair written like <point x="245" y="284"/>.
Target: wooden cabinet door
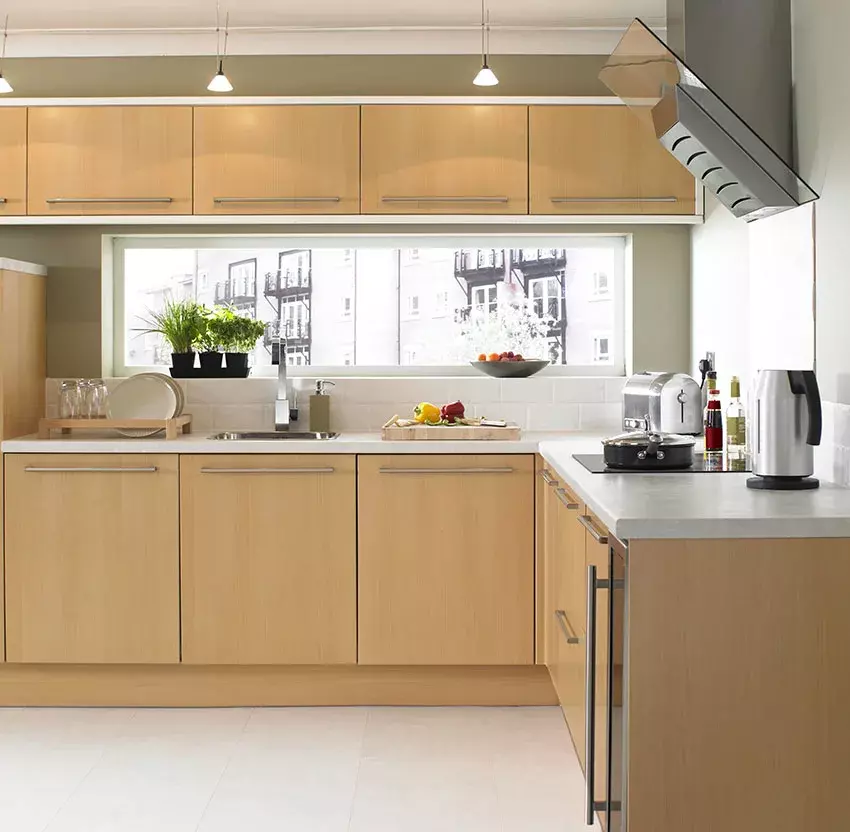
<point x="597" y="555"/>
<point x="13" y="161"/>
<point x="277" y="160"/>
<point x="110" y="160"/>
<point x="566" y="648"/>
<point x="92" y="558"/>
<point x="446" y="560"/>
<point x="269" y="559"/>
<point x="602" y="159"/>
<point x="444" y="159"/>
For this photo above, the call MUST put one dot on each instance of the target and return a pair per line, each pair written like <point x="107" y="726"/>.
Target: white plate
<point x="178" y="390"/>
<point x="146" y="396"/>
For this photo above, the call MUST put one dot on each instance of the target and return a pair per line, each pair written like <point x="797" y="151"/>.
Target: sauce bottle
<point x="713" y="423"/>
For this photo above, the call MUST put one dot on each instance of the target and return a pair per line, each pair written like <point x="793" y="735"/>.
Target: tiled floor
<point x="292" y="769"/>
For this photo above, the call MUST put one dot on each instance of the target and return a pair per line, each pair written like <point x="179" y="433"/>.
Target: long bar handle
<point x="267" y="470"/>
<point x="501" y="200"/>
<point x="221" y="200"/>
<point x="564" y="200"/>
<point x="566" y="628"/>
<point x="34" y="470"/>
<point x="445" y="470"/>
<point x="590" y="698"/>
<point x="561" y="494"/>
<point x="547" y="477"/>
<point x="105" y="200"/>
<point x="587" y="522"/>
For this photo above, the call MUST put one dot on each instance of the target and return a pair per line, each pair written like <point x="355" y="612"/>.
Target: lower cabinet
<point x="269" y="560"/>
<point x="92" y="558"/>
<point x="446" y="559"/>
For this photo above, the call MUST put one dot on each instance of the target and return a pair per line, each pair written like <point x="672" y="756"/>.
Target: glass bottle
<point x="736" y="424"/>
<point x="713" y="423"/>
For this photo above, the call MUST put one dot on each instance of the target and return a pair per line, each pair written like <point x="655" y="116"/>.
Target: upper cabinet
<point x="13" y="161"/>
<point x="444" y="159"/>
<point x="602" y="159"/>
<point x="110" y="160"/>
<point x="277" y="160"/>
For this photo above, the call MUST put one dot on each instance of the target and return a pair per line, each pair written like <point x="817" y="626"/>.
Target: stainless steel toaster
<point x="663" y="403"/>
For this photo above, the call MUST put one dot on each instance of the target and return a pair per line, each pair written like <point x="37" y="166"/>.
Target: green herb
<point x="180" y="323"/>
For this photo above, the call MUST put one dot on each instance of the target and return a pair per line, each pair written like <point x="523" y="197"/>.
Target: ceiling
<point x="185" y="27"/>
<point x="111" y="14"/>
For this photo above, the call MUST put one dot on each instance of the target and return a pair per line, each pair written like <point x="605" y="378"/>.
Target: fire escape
<point x="239" y="291"/>
<point x="289" y="291"/>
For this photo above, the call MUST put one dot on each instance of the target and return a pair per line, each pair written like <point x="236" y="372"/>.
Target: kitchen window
<point x="434" y="311"/>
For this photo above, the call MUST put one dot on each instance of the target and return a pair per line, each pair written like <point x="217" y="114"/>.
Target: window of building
<point x="439" y="311"/>
<point x="602" y="348"/>
<point x="600" y="285"/>
<point x="347" y="255"/>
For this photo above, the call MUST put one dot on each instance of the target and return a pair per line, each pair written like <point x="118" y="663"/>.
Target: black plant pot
<point x="237" y="362"/>
<point x="182" y="363"/>
<point x="211" y="363"/>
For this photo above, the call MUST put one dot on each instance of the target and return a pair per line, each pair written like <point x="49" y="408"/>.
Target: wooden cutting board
<point x="446" y="433"/>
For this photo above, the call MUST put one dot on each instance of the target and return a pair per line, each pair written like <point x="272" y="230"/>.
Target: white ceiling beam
<point x="374" y="40"/>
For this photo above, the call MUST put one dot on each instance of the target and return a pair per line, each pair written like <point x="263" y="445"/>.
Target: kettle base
<point x="783" y="483"/>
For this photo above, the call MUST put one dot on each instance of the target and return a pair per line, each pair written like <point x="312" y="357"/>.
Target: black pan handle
<point x="805" y="383"/>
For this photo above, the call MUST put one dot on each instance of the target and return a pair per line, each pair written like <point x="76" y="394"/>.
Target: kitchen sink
<point x="235" y="436"/>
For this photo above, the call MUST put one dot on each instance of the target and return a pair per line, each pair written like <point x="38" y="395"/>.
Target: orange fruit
<point x="483" y="356"/>
<point x="494" y="356"/>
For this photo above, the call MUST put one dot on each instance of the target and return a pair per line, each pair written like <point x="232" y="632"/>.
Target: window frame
<point x="114" y="246"/>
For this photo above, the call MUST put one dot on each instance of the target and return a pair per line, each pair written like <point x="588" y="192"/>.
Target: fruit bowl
<point x="509" y="369"/>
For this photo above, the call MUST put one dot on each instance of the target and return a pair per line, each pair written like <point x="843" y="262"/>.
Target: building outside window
<point x="439" y="309"/>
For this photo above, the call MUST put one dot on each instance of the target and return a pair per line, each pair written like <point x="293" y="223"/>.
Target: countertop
<point x="632" y="505"/>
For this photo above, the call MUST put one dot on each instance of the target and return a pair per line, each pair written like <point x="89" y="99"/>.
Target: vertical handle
<point x="590" y="698"/>
<point x="805" y="383"/>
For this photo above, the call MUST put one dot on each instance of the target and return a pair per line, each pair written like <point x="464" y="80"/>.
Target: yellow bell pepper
<point x="426" y="412"/>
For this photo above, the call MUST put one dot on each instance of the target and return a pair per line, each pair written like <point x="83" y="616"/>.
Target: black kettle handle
<point x="805" y="383"/>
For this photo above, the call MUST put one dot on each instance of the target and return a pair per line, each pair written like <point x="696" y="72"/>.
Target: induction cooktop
<point x="703" y="464"/>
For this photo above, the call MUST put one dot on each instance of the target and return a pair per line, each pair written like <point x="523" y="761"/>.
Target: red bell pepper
<point x="452" y="412"/>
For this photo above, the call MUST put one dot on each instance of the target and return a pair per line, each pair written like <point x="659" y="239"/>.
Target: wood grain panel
<point x="273" y="152"/>
<point x="446" y="560"/>
<point x="91" y="559"/>
<point x="13" y="161"/>
<point x="738" y="685"/>
<point x="188" y="686"/>
<point x="276" y="583"/>
<point x="115" y="153"/>
<point x="446" y="152"/>
<point x="586" y="153"/>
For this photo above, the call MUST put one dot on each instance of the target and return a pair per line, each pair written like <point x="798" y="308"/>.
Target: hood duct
<point x="717" y="146"/>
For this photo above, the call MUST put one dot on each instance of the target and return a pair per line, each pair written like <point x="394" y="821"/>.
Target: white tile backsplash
<point x="545" y="403"/>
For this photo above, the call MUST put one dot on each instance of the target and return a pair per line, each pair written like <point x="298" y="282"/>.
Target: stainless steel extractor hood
<point x="714" y="143"/>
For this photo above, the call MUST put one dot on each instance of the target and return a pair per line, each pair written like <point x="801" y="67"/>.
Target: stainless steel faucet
<point x="282" y="413"/>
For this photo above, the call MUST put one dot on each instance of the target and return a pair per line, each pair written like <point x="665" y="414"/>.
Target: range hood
<point x="717" y="146"/>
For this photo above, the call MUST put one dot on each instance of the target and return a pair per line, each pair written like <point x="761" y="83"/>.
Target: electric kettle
<point x="785" y="425"/>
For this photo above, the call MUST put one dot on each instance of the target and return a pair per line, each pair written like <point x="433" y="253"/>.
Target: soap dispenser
<point x="320" y="408"/>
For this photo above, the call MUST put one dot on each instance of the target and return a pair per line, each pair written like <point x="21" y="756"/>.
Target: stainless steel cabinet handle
<point x="587" y="522"/>
<point x="3" y="200"/>
<point x="221" y="200"/>
<point x="104" y="200"/>
<point x="562" y="496"/>
<point x="561" y="200"/>
<point x="147" y="470"/>
<point x="566" y="629"/>
<point x="445" y="470"/>
<point x="480" y="199"/>
<point x="590" y="698"/>
<point x="267" y="470"/>
<point x="547" y="477"/>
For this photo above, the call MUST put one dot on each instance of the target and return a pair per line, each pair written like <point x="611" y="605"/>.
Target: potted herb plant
<point x="239" y="336"/>
<point x="180" y="323"/>
<point x="208" y="344"/>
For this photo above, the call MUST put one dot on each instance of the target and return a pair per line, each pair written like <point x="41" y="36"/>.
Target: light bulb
<point x="220" y="82"/>
<point x="486" y="77"/>
<point x="5" y="86"/>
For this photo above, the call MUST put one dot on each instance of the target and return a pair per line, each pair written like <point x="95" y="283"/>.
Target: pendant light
<point x="220" y="82"/>
<point x="486" y="77"/>
<point x="5" y="86"/>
